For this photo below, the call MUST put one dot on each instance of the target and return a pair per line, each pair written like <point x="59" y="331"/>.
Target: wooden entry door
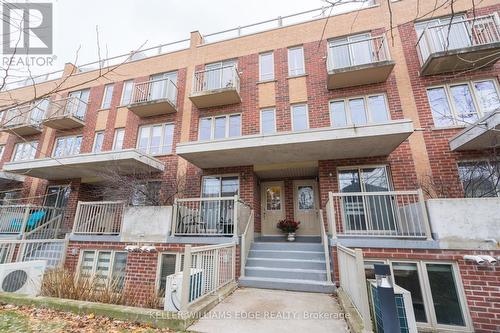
<point x="306" y="206"/>
<point x="272" y="206"/>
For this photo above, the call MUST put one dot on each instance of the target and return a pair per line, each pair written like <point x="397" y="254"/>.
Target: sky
<point x="126" y="25"/>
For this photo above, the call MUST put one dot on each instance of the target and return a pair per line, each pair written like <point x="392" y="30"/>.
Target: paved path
<point x="261" y="310"/>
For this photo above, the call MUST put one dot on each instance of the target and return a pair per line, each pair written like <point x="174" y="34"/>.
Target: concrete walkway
<point x="262" y="310"/>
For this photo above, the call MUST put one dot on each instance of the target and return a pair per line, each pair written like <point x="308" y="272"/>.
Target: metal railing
<point x="226" y="77"/>
<point x="99" y="217"/>
<point x="353" y="282"/>
<point x="458" y="34"/>
<point x="153" y="90"/>
<point x="25" y="115"/>
<point x="360" y="52"/>
<point x="220" y="216"/>
<point x="67" y="107"/>
<point x="31" y="221"/>
<point x="326" y="247"/>
<point x="206" y="269"/>
<point x="247" y="239"/>
<point x="51" y="250"/>
<point x="384" y="214"/>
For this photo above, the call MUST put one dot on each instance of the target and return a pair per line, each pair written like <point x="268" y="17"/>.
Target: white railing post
<point x="332" y="225"/>
<point x="26" y="216"/>
<point x="425" y="217"/>
<point x="365" y="306"/>
<point x="186" y="276"/>
<point x="174" y="218"/>
<point x="235" y="219"/>
<point x="233" y="262"/>
<point x="77" y="217"/>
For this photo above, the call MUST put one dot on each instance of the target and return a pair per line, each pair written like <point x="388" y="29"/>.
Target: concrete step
<point x="287" y="284"/>
<point x="286" y="273"/>
<point x="317" y="264"/>
<point x="286" y="254"/>
<point x="315" y="247"/>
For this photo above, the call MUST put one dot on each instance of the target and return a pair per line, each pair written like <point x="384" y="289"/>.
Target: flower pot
<point x="291" y="237"/>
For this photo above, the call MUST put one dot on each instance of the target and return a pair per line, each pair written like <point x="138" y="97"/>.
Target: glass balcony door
<point x="218" y="215"/>
<point x="76" y="104"/>
<point x="160" y="86"/>
<point x="219" y="75"/>
<point x="351" y="51"/>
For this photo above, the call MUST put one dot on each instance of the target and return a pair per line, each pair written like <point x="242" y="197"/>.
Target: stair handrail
<point x="326" y="247"/>
<point x="246" y="242"/>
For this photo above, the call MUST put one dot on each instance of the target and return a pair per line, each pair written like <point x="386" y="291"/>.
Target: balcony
<point x="216" y="87"/>
<point x="30" y="222"/>
<point x="153" y="98"/>
<point x="309" y="145"/>
<point x="462" y="45"/>
<point x="23" y="121"/>
<point x="66" y="113"/>
<point x="91" y="167"/>
<point x="397" y="214"/>
<point x="358" y="62"/>
<point x="481" y="135"/>
<point x="99" y="218"/>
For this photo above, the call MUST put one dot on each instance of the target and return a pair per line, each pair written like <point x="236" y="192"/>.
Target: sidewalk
<point x="261" y="310"/>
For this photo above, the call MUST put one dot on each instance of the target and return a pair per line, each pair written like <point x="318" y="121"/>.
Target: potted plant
<point x="290" y="227"/>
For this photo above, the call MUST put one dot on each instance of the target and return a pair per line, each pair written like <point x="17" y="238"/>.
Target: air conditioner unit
<point x="404" y="308"/>
<point x="22" y="277"/>
<point x="173" y="289"/>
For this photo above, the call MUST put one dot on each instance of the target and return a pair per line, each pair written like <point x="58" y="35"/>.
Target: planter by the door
<point x="291" y="237"/>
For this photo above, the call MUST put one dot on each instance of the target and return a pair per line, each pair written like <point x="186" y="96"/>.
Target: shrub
<point x="288" y="225"/>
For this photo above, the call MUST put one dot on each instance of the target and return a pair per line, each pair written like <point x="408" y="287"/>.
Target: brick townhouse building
<point x="375" y="131"/>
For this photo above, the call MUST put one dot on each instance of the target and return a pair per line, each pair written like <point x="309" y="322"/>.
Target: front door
<point x="273" y="206"/>
<point x="306" y="206"/>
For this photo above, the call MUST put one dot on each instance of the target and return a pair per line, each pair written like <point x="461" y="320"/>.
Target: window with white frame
<point x="67" y="145"/>
<point x="106" y="267"/>
<point x="79" y="103"/>
<point x="168" y="265"/>
<point x="300" y="117"/>
<point x="359" y="110"/>
<point x="351" y="51"/>
<point x="268" y="121"/>
<point x="25" y="151"/>
<point x="156" y="139"/>
<point x="436" y="291"/>
<point x="127" y="90"/>
<point x="220" y="127"/>
<point x="118" y="139"/>
<point x="98" y="141"/>
<point x="480" y="178"/>
<point x="296" y="61"/>
<point x="266" y="66"/>
<point x="463" y="103"/>
<point x="107" y="97"/>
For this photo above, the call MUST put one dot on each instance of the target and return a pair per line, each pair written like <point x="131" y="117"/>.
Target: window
<point x="118" y="140"/>
<point x="220" y="127"/>
<point x="300" y="118"/>
<point x="273" y="198"/>
<point x="98" y="141"/>
<point x="78" y="106"/>
<point x="146" y="194"/>
<point x="219" y="186"/>
<point x="108" y="95"/>
<point x="108" y="267"/>
<point x="480" y="178"/>
<point x="156" y="139"/>
<point x="268" y="121"/>
<point x="463" y="103"/>
<point x="351" y="51"/>
<point x="57" y="196"/>
<point x="25" y="151"/>
<point x="2" y="149"/>
<point x="296" y="61"/>
<point x="128" y="87"/>
<point x="266" y="66"/>
<point x="359" y="111"/>
<point x="169" y="264"/>
<point x="219" y="216"/>
<point x="220" y="75"/>
<point x="162" y="86"/>
<point x="67" y="146"/>
<point x="39" y="109"/>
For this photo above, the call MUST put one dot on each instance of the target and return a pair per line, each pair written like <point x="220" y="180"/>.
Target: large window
<point x="156" y="139"/>
<point x="106" y="267"/>
<point x="220" y="127"/>
<point x="268" y="121"/>
<point x="118" y="140"/>
<point x="359" y="111"/>
<point x="162" y="86"/>
<point x="300" y="117"/>
<point x="266" y="66"/>
<point x="219" y="75"/>
<point x="169" y="264"/>
<point x="78" y="106"/>
<point x="463" y="103"/>
<point x="351" y="51"/>
<point x="25" y="151"/>
<point x="67" y="146"/>
<point x="98" y="141"/>
<point x="108" y="96"/>
<point x="480" y="178"/>
<point x="128" y="87"/>
<point x="296" y="61"/>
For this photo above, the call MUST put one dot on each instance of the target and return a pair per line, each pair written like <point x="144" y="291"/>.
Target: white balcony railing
<point x="51" y="250"/>
<point x="458" y="34"/>
<point x="359" y="52"/>
<point x="29" y="221"/>
<point x="206" y="269"/>
<point x="247" y="239"/>
<point x="26" y="115"/>
<point x="98" y="218"/>
<point x="226" y="77"/>
<point x="67" y="107"/>
<point x="221" y="216"/>
<point x="154" y="90"/>
<point x="379" y="214"/>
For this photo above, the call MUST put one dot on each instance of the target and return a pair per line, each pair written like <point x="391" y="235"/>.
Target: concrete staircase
<point x="287" y="266"/>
